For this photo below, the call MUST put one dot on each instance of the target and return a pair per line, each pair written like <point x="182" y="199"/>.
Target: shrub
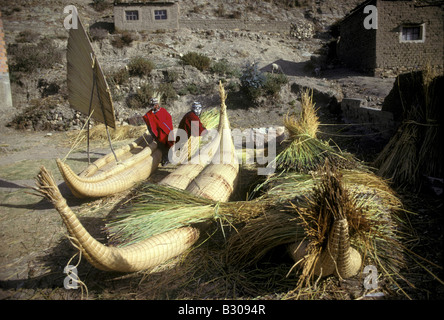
<point x="171" y="76"/>
<point x="98" y="34"/>
<point x="141" y="98"/>
<point x="223" y="68"/>
<point x="140" y="66"/>
<point x="100" y="5"/>
<point x="123" y="40"/>
<point x="252" y="81"/>
<point x="30" y="57"/>
<point x="190" y="88"/>
<point x="251" y="76"/>
<point x="120" y="76"/>
<point x="27" y="36"/>
<point x="197" y="60"/>
<point x="274" y="83"/>
<point x="167" y="92"/>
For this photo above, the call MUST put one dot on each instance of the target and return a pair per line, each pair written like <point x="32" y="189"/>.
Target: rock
<point x="302" y="30"/>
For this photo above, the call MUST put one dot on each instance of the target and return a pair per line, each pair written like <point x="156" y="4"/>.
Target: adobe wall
<point x="391" y="53"/>
<point x="236" y="24"/>
<point x="357" y="45"/>
<point x="5" y="85"/>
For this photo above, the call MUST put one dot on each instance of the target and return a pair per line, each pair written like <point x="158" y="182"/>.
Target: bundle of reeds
<point x="210" y="118"/>
<point x="305" y="151"/>
<point x="156" y="209"/>
<point x="308" y="207"/>
<point x="98" y="133"/>
<point x="414" y="149"/>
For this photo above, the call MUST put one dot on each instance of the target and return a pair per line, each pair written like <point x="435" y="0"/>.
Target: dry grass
<point x="364" y="199"/>
<point x="305" y="152"/>
<point x="412" y="151"/>
<point x="155" y="209"/>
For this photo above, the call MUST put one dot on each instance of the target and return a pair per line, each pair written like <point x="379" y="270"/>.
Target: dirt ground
<point x="34" y="248"/>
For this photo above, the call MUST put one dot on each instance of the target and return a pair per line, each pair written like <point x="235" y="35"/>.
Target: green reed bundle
<point x="156" y="209"/>
<point x="364" y="199"/>
<point x="210" y="118"/>
<point x="305" y="151"/>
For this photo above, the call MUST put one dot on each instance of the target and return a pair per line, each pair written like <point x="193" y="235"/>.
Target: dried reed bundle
<point x="412" y="152"/>
<point x="398" y="160"/>
<point x="157" y="208"/>
<point x="305" y="151"/>
<point x="260" y="235"/>
<point x="305" y="207"/>
<point x="210" y="120"/>
<point x="294" y="186"/>
<point x="98" y="133"/>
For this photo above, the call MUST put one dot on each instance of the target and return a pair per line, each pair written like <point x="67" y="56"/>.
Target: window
<point x="132" y="15"/>
<point x="160" y="14"/>
<point x="412" y="33"/>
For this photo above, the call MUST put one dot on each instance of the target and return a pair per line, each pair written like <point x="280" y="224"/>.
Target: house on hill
<point x="398" y="36"/>
<point x="146" y="15"/>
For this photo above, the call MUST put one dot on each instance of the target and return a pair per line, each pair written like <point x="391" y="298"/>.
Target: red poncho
<point x="160" y="124"/>
<point x="186" y="123"/>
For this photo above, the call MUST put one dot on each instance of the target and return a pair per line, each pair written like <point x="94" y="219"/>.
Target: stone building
<point x="146" y="15"/>
<point x="398" y="36"/>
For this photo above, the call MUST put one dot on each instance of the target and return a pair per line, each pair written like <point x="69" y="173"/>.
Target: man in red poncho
<point x="159" y="123"/>
<point x="191" y="122"/>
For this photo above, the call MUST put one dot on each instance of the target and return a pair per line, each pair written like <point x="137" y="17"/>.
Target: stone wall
<point x="357" y="111"/>
<point x="237" y="24"/>
<point x="392" y="53"/>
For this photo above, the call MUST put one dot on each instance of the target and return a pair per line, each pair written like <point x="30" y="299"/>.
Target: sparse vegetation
<point x="123" y="40"/>
<point x="141" y="98"/>
<point x="120" y="76"/>
<point x="29" y="58"/>
<point x="197" y="60"/>
<point x="140" y="66"/>
<point x="223" y="68"/>
<point x="98" y="34"/>
<point x="273" y="84"/>
<point x="27" y="36"/>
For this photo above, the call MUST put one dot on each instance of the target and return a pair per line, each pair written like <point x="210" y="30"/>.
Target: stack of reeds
<point x="306" y="206"/>
<point x="156" y="209"/>
<point x="415" y="149"/>
<point x="305" y="151"/>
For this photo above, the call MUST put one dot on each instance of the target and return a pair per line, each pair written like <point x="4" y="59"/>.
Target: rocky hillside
<point x="37" y="41"/>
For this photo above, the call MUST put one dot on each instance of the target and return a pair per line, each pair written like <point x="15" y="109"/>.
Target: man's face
<point x="156" y="107"/>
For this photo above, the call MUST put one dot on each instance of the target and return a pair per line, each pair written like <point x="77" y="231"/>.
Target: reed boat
<point x="164" y="246"/>
<point x="88" y="92"/>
